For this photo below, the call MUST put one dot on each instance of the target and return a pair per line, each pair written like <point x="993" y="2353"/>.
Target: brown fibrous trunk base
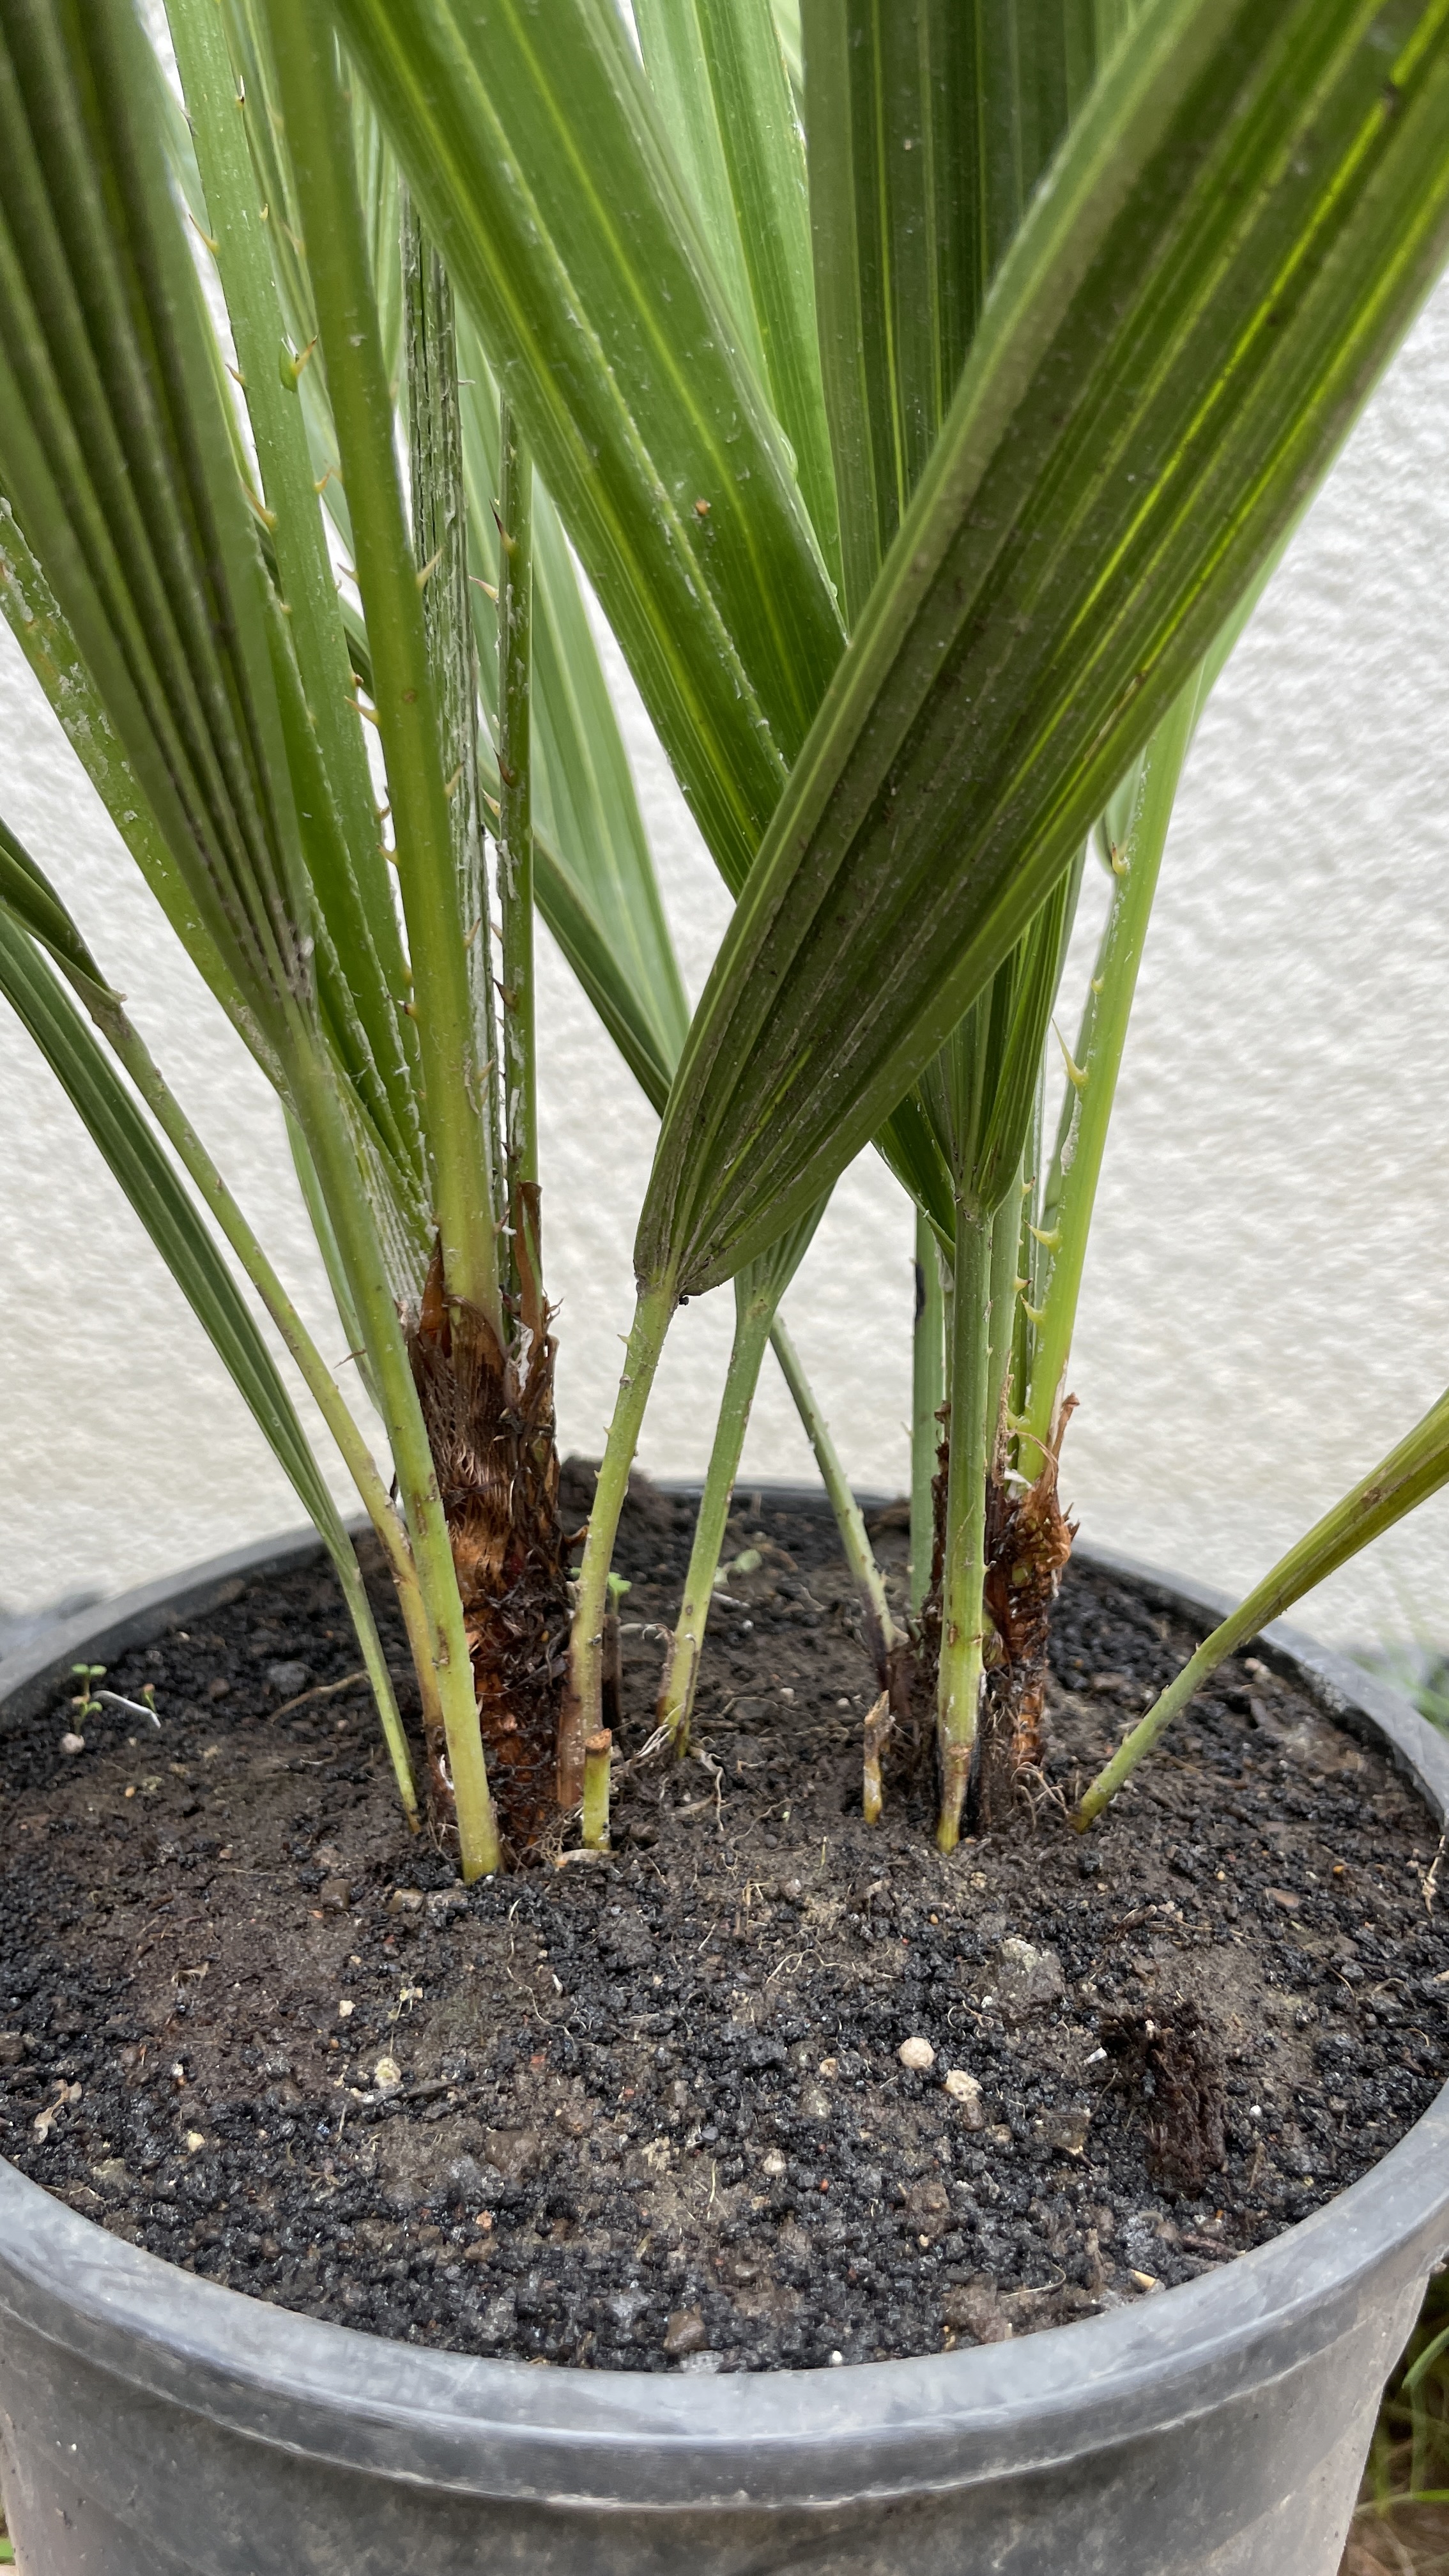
<point x="490" y="1424"/>
<point x="1028" y="1542"/>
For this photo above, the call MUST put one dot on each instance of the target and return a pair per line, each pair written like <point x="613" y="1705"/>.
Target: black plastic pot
<point x="151" y="2423"/>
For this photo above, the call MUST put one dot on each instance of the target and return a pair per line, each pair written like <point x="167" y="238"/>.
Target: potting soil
<point x="765" y="2087"/>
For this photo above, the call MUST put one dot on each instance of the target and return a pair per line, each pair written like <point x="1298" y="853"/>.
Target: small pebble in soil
<point x="917" y="2054"/>
<point x="965" y="2090"/>
<point x="684" y="2333"/>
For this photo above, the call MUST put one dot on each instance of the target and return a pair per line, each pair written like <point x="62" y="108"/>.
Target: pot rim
<point x="509" y="2429"/>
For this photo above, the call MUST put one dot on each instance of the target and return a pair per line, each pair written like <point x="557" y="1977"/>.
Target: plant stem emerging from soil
<point x="598" y="1753"/>
<point x="466" y="1778"/>
<point x="489" y="1415"/>
<point x="754" y="1316"/>
<point x="515" y="859"/>
<point x="1028" y="1542"/>
<point x="928" y="1388"/>
<point x="582" y="1706"/>
<point x="485" y="1379"/>
<point x="877" y="1728"/>
<point x="964" y="1573"/>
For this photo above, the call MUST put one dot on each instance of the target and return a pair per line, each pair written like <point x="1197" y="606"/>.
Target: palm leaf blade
<point x="1181" y="334"/>
<point x="118" y="466"/>
<point x="719" y="71"/>
<point x="542" y="169"/>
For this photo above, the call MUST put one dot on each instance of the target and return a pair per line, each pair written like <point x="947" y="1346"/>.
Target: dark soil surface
<point x="651" y="2112"/>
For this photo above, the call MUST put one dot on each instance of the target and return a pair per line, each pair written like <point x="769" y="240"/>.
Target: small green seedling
<point x="749" y="1561"/>
<point x="85" y="1702"/>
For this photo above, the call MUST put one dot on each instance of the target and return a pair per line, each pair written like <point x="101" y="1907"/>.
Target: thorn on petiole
<point x="1075" y="1075"/>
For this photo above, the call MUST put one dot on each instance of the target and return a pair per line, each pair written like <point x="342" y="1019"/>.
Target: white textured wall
<point x="1267" y="1303"/>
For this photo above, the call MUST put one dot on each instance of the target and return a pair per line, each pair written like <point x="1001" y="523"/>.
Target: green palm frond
<point x="117" y="467"/>
<point x="718" y="71"/>
<point x="538" y="154"/>
<point x="1242" y="252"/>
<point x="930" y="126"/>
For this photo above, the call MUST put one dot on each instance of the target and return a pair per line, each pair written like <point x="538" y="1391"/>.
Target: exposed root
<point x="1040" y="1797"/>
<point x="490" y="1426"/>
<point x="878" y="1725"/>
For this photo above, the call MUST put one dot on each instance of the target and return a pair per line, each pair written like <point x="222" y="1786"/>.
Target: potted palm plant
<point x="925" y="403"/>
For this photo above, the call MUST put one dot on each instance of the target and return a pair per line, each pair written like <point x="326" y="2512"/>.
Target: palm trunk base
<point x="490" y="1423"/>
<point x="1028" y="1543"/>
